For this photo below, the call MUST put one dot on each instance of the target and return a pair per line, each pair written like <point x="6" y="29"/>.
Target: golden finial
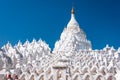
<point x="72" y="11"/>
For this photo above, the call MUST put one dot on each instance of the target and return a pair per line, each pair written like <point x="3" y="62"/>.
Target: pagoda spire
<point x="72" y="11"/>
<point x="72" y="21"/>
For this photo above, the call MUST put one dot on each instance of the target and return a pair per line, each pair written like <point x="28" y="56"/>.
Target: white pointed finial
<point x="72" y="21"/>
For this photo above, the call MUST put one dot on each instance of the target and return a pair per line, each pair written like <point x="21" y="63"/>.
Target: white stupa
<point x="72" y="37"/>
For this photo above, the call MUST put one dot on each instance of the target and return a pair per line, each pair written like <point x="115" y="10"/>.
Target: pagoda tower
<point x="72" y="38"/>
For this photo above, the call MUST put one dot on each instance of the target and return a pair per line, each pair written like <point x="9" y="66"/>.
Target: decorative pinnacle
<point x="72" y="11"/>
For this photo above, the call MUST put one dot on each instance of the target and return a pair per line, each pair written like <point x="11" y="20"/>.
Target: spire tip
<point x="72" y="11"/>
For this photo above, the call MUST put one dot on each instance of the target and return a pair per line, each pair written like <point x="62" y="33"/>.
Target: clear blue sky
<point x="46" y="19"/>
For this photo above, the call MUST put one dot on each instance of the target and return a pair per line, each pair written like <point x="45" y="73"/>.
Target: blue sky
<point x="46" y="19"/>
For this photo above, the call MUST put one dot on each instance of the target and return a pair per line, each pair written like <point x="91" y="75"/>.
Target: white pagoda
<point x="72" y="38"/>
<point x="71" y="59"/>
